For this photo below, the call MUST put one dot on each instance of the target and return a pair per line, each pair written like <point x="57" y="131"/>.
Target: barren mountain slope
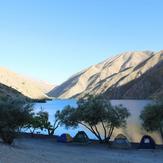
<point x="8" y="93"/>
<point x="21" y="84"/>
<point x="99" y="78"/>
<point x="145" y="86"/>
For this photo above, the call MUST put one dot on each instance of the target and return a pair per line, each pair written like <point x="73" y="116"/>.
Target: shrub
<point x="152" y="118"/>
<point x="14" y="115"/>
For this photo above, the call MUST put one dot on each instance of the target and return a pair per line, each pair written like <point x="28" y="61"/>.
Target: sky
<point x="51" y="40"/>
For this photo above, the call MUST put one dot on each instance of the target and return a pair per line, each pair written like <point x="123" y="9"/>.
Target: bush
<point x="8" y="137"/>
<point x="152" y="118"/>
<point x="14" y="115"/>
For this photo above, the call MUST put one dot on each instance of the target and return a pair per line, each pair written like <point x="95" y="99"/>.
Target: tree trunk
<point x="105" y="133"/>
<point x="161" y="132"/>
<point x="110" y="132"/>
<point x="50" y="132"/>
<point x="32" y="133"/>
<point x="90" y="128"/>
<point x="98" y="133"/>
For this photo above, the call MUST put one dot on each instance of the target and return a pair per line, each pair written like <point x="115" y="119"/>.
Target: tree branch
<point x="98" y="133"/>
<point x="91" y="129"/>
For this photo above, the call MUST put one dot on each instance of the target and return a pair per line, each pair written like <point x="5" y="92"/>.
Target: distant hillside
<point x="136" y="75"/>
<point x="27" y="87"/>
<point x="44" y="86"/>
<point x="7" y="93"/>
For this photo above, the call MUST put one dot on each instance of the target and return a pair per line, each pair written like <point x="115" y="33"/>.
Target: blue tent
<point x="147" y="142"/>
<point x="65" y="138"/>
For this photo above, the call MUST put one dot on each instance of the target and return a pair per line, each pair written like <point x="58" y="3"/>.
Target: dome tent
<point x="121" y="142"/>
<point x="147" y="142"/>
<point x="65" y="138"/>
<point x="81" y="137"/>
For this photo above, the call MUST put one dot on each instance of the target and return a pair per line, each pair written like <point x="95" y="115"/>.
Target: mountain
<point x="8" y="93"/>
<point x="128" y="75"/>
<point x="44" y="86"/>
<point x="27" y="87"/>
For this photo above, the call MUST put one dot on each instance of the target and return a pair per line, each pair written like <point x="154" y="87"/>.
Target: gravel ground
<point x="48" y="151"/>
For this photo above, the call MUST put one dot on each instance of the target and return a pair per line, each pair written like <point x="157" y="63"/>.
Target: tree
<point x="152" y="118"/>
<point x="92" y="112"/>
<point x="44" y="123"/>
<point x="14" y="115"/>
<point x="33" y="124"/>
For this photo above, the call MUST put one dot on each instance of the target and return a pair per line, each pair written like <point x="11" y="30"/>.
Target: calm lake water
<point x="133" y="131"/>
<point x="51" y="107"/>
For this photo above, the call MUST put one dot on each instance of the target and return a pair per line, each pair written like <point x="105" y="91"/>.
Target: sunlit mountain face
<point x="121" y="77"/>
<point x="26" y="86"/>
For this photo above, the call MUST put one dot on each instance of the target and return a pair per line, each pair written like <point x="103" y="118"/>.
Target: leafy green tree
<point x="43" y="122"/>
<point x="33" y="124"/>
<point x="93" y="112"/>
<point x="14" y="115"/>
<point x="152" y="118"/>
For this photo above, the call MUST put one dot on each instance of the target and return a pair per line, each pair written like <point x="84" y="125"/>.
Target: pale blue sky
<point x="53" y="39"/>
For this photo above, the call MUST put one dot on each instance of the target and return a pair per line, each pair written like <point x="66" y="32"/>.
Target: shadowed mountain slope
<point x="28" y="87"/>
<point x="110" y="76"/>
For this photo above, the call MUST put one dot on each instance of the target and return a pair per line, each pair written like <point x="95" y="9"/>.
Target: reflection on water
<point x="133" y="131"/>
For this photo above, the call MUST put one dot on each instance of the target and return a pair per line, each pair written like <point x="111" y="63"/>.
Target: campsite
<point x="81" y="81"/>
<point x="111" y="145"/>
<point x="49" y="150"/>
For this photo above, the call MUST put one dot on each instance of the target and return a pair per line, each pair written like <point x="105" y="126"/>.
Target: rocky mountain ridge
<point x="30" y="88"/>
<point x="117" y="78"/>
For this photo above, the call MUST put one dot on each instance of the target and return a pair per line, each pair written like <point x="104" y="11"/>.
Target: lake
<point x="133" y="130"/>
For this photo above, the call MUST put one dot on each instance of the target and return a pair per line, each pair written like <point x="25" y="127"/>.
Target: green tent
<point x="81" y="137"/>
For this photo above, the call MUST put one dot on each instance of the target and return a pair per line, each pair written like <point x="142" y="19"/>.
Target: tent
<point x="65" y="138"/>
<point x="81" y="137"/>
<point x="121" y="142"/>
<point x="147" y="142"/>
